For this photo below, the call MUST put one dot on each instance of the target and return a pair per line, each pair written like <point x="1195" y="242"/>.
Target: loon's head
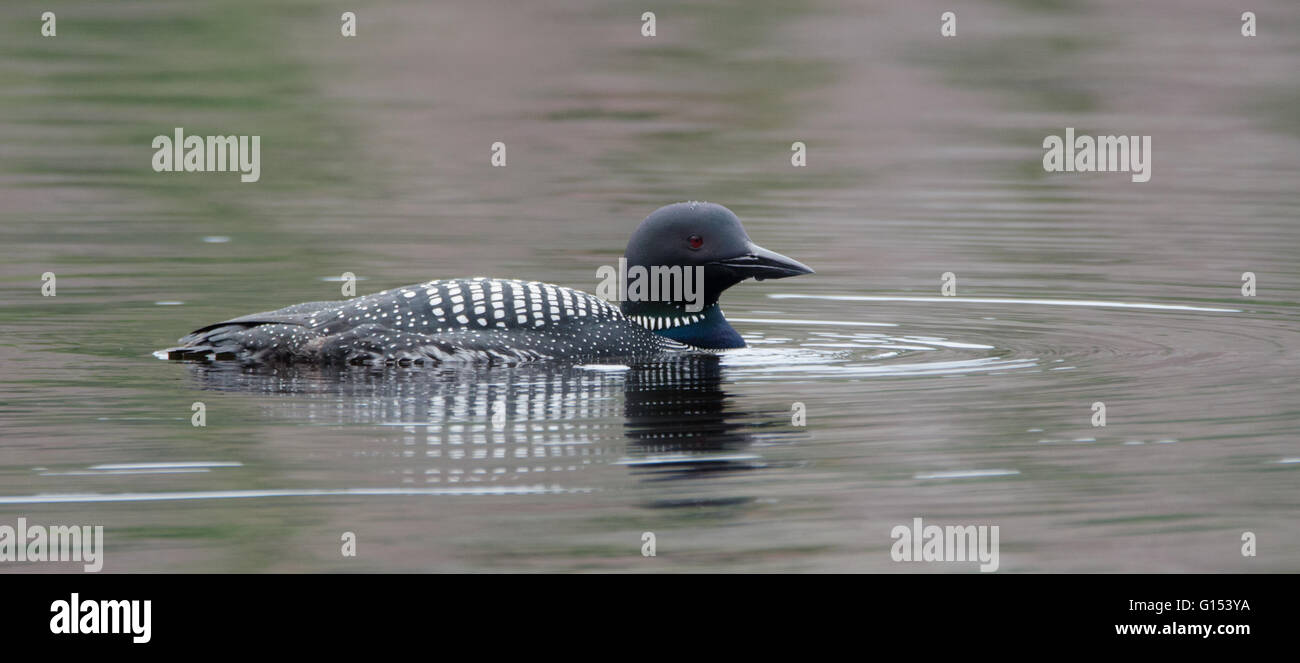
<point x="691" y="235"/>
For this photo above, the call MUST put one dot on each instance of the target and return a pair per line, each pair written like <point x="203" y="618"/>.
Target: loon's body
<point x="501" y="320"/>
<point x="436" y="322"/>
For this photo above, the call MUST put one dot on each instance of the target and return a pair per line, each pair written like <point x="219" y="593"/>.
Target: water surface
<point x="924" y="158"/>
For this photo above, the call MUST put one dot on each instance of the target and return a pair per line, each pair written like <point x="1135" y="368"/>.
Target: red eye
<point x="695" y="241"/>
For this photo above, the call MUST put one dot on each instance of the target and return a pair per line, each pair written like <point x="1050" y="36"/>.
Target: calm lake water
<point x="924" y="157"/>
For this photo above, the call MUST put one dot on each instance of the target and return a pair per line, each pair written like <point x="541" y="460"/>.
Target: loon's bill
<point x="506" y="320"/>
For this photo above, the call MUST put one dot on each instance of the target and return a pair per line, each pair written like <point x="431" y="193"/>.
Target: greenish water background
<point x="924" y="158"/>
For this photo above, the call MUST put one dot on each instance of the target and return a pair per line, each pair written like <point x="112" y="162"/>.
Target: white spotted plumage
<point x="488" y="319"/>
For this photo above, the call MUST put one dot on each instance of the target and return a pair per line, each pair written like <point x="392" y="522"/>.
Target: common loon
<point x="505" y="320"/>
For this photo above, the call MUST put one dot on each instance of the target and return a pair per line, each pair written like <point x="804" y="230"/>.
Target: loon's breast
<point x="435" y="322"/>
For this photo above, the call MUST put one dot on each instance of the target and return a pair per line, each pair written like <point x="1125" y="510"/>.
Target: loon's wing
<point x="269" y="335"/>
<point x="280" y="339"/>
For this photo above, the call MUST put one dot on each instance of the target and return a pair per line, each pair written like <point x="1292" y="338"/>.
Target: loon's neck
<point x="705" y="329"/>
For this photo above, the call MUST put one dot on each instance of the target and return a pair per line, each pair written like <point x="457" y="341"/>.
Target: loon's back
<point x="431" y="323"/>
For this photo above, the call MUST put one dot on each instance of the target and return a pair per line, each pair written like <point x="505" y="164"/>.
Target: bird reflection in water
<point x="679" y="421"/>
<point x="534" y="425"/>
